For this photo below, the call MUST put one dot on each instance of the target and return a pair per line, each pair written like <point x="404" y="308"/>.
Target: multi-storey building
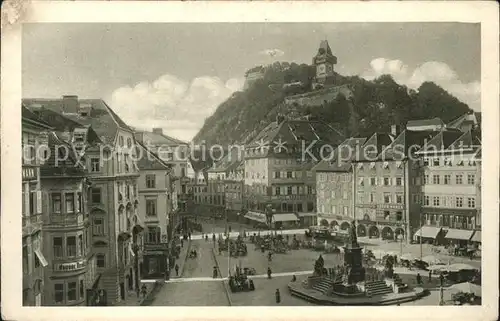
<point x="452" y="188"/>
<point x="173" y="152"/>
<point x="235" y="185"/>
<point x="156" y="210"/>
<point x="334" y="186"/>
<point x="279" y="182"/>
<point x="112" y="172"/>
<point x="387" y="184"/>
<point x="33" y="258"/>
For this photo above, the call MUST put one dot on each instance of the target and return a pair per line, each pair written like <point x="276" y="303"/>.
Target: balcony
<point x="67" y="219"/>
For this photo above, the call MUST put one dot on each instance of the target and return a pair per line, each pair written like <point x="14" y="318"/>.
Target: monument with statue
<point x="352" y="283"/>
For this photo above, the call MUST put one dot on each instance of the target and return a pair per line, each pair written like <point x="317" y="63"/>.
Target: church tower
<point x="324" y="62"/>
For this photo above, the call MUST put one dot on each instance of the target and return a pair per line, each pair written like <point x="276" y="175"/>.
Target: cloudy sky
<point x="175" y="75"/>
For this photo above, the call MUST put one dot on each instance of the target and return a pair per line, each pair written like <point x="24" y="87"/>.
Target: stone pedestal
<point x="353" y="262"/>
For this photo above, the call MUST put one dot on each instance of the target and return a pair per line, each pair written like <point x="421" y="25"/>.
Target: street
<point x="195" y="293"/>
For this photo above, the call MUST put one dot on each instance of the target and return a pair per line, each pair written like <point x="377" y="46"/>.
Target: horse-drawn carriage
<point x="240" y="283"/>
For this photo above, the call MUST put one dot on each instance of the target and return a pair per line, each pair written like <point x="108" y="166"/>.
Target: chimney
<point x="396" y="130"/>
<point x="158" y="131"/>
<point x="70" y="104"/>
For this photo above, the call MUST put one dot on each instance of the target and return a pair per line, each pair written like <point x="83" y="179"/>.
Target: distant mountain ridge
<point x="370" y="106"/>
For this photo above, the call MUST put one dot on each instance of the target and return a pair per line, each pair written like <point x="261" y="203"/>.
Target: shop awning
<point x="456" y="234"/>
<point x="40" y="256"/>
<point x="310" y="214"/>
<point x="476" y="237"/>
<point x="285" y="217"/>
<point x="254" y="216"/>
<point x="428" y="232"/>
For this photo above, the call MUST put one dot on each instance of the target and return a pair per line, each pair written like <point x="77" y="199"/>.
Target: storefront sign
<point x="390" y="206"/>
<point x="154" y="253"/>
<point x="64" y="267"/>
<point x="156" y="247"/>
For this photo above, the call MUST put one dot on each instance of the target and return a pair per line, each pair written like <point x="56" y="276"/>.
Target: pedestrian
<point x="213" y="237"/>
<point x="189" y="236"/>
<point x="419" y="279"/>
<point x="278" y="296"/>
<point x="182" y="243"/>
<point x="206" y="237"/>
<point x="441" y="278"/>
<point x="430" y="276"/>
<point x="294" y="278"/>
<point x="269" y="272"/>
<point x="215" y="272"/>
<point x="176" y="270"/>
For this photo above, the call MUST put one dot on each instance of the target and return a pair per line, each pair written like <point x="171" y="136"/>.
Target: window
<point x="80" y="247"/>
<point x="79" y="203"/>
<point x="373" y="181"/>
<point x="299" y="207"/>
<point x="82" y="289"/>
<point x="372" y="197"/>
<point x="310" y="206"/>
<point x="59" y="293"/>
<point x="71" y="291"/>
<point x="276" y="174"/>
<point x="334" y="209"/>
<point x="471" y="202"/>
<point x="277" y="190"/>
<point x="387" y="215"/>
<point x="361" y="197"/>
<point x="183" y="172"/>
<point x="56" y="202"/>
<point x="289" y="190"/>
<point x="121" y="141"/>
<point x="399" y="216"/>
<point x="95" y="165"/>
<point x="346" y="211"/>
<point x="289" y="174"/>
<point x="459" y="179"/>
<point x="309" y="190"/>
<point x="387" y="181"/>
<point x="447" y="179"/>
<point x="459" y="202"/>
<point x="70" y="202"/>
<point x="101" y="260"/>
<point x="71" y="246"/>
<point x="426" y="179"/>
<point x="399" y="181"/>
<point x="129" y="142"/>
<point x="426" y="162"/>
<point x="435" y="201"/>
<point x="333" y="194"/>
<point x="435" y="162"/>
<point x="57" y="244"/>
<point x="309" y="174"/>
<point x="399" y="198"/>
<point x="150" y="181"/>
<point x="98" y="226"/>
<point x="37" y="261"/>
<point x="471" y="178"/>
<point x="427" y="201"/>
<point x="96" y="195"/>
<point x="435" y="179"/>
<point x="154" y="235"/>
<point x="361" y="181"/>
<point x="345" y="195"/>
<point x="387" y="198"/>
<point x="25" y="260"/>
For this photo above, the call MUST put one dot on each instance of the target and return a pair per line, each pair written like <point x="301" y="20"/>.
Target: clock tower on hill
<point x="324" y="62"/>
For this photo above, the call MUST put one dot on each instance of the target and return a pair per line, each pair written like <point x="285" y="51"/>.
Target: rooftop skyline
<point x="173" y="76"/>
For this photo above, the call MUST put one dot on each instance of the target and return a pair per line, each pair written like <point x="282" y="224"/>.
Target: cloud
<point x="435" y="71"/>
<point x="272" y="52"/>
<point x="177" y="106"/>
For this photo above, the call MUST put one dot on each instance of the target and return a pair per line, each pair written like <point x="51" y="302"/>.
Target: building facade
<point x="452" y="189"/>
<point x="34" y="262"/>
<point x="334" y="186"/>
<point x="279" y="181"/>
<point x="156" y="211"/>
<point x="112" y="174"/>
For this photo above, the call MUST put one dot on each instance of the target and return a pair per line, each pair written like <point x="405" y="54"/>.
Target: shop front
<point x="285" y="221"/>
<point x="155" y="261"/>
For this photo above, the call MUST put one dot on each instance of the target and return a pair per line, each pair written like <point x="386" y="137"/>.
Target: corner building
<point x="112" y="172"/>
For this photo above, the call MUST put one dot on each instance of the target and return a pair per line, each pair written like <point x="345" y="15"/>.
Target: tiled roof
<point x="345" y="150"/>
<point x="373" y="146"/>
<point x="441" y="141"/>
<point x="150" y="160"/>
<point x="424" y="122"/>
<point x="67" y="163"/>
<point x="407" y="141"/>
<point x="294" y="132"/>
<point x="27" y="114"/>
<point x="231" y="160"/>
<point x="324" y="45"/>
<point x="157" y="139"/>
<point x="102" y="119"/>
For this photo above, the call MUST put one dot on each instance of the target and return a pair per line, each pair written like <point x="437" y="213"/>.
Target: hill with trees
<point x="374" y="106"/>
